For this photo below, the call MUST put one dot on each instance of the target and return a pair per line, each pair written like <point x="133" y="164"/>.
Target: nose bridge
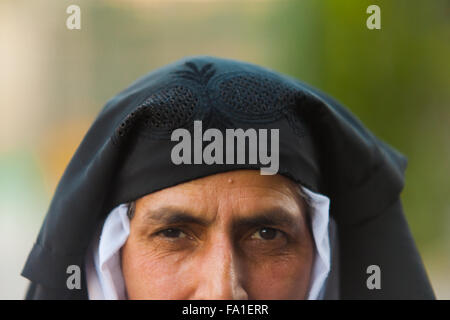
<point x="220" y="277"/>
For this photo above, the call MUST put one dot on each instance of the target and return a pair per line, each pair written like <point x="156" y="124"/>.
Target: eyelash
<point x="186" y="235"/>
<point x="277" y="233"/>
<point x="161" y="233"/>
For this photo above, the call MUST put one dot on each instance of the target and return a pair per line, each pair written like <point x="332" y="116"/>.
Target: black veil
<point x="126" y="154"/>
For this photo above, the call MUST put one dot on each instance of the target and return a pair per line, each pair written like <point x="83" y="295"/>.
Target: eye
<point x="172" y="233"/>
<point x="266" y="234"/>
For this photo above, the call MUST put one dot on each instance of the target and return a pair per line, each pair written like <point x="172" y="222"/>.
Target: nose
<point x="218" y="276"/>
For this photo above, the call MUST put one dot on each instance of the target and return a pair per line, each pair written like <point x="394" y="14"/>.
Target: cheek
<point x="152" y="275"/>
<point x="280" y="278"/>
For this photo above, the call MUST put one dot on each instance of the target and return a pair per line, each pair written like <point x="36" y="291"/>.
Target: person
<point x="211" y="178"/>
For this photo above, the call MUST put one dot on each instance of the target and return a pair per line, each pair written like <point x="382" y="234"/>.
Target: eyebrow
<point x="170" y="215"/>
<point x="273" y="217"/>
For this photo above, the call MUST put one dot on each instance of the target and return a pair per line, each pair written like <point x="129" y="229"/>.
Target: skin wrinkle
<point x="219" y="259"/>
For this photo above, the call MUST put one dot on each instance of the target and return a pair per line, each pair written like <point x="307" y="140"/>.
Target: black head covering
<point x="126" y="154"/>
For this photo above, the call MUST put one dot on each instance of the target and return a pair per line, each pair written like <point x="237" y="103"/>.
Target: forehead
<point x="246" y="189"/>
<point x="243" y="177"/>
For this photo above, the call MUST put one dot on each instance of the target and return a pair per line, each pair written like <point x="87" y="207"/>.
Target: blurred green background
<point x="54" y="81"/>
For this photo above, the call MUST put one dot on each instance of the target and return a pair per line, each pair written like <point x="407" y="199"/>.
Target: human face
<point x="233" y="235"/>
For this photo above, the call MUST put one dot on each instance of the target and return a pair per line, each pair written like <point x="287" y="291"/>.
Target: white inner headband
<point x="103" y="265"/>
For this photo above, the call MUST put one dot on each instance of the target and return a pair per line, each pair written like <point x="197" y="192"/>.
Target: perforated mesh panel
<point x="170" y="108"/>
<point x="255" y="95"/>
<point x="165" y="109"/>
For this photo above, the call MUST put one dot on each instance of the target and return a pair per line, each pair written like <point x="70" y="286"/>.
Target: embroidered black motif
<point x="201" y="76"/>
<point x="248" y="96"/>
